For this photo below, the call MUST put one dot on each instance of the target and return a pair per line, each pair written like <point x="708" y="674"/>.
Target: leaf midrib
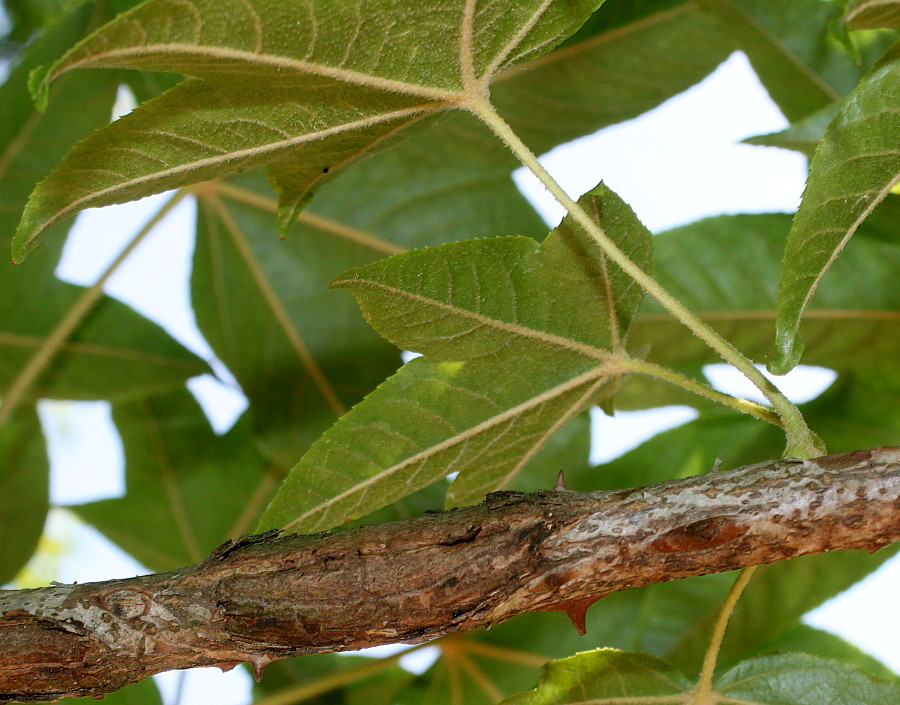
<point x="277" y="62"/>
<point x="33" y="341"/>
<point x="880" y="195"/>
<point x="276" y="306"/>
<point x="417" y="111"/>
<point x="516" y="329"/>
<point x="512" y="412"/>
<point x="783" y="50"/>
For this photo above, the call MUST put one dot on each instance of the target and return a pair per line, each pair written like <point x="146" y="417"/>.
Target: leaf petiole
<point x="745" y="406"/>
<point x="801" y="441"/>
<point x="703" y="691"/>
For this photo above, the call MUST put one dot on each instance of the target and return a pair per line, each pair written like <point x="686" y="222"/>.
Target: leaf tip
<point x="39" y="86"/>
<point x="790" y="350"/>
<point x="23" y="243"/>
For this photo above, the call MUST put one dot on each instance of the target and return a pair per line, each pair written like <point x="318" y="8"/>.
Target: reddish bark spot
<point x="844" y="460"/>
<point x="702" y="534"/>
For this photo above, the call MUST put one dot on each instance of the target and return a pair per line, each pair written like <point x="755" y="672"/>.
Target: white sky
<point x="676" y="164"/>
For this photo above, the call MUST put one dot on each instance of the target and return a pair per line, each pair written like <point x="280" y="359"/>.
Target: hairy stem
<point x="74" y="316"/>
<point x="703" y="691"/>
<point x="801" y="442"/>
<point x="745" y="406"/>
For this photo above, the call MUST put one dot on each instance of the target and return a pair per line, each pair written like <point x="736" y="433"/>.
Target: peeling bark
<point x="267" y="597"/>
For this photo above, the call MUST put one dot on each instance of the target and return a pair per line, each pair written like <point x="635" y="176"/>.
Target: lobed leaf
<point x="838" y="199"/>
<point x="439" y="185"/>
<point x="115" y="353"/>
<point x="558" y="317"/>
<point x="305" y="87"/>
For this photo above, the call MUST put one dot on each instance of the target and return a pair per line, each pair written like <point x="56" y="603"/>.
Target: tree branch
<point x="267" y="597"/>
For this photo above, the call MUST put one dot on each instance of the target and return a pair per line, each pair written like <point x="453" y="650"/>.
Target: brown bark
<point x="267" y="597"/>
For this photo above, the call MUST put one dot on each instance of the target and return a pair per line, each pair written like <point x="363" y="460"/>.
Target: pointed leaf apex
<point x="790" y="350"/>
<point x="39" y="86"/>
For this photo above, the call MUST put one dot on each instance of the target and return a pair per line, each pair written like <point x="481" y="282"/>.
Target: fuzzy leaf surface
<point x="115" y="353"/>
<point x="606" y="674"/>
<point x="480" y="303"/>
<point x="799" y="679"/>
<point x="303" y="87"/>
<point x="838" y="197"/>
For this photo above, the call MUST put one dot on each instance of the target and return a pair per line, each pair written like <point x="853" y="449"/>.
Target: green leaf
<point x="307" y="97"/>
<point x="803" y="136"/>
<point x="872" y="14"/>
<point x="838" y="199"/>
<point x="143" y="692"/>
<point x="798" y="679"/>
<point x="191" y="489"/>
<point x="482" y="294"/>
<point x="789" y="46"/>
<point x="816" y="642"/>
<point x="774" y="603"/>
<point x="605" y="674"/>
<point x="24" y="489"/>
<point x="115" y="353"/>
<point x="627" y="59"/>
<point x="301" y="353"/>
<point x="485" y="303"/>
